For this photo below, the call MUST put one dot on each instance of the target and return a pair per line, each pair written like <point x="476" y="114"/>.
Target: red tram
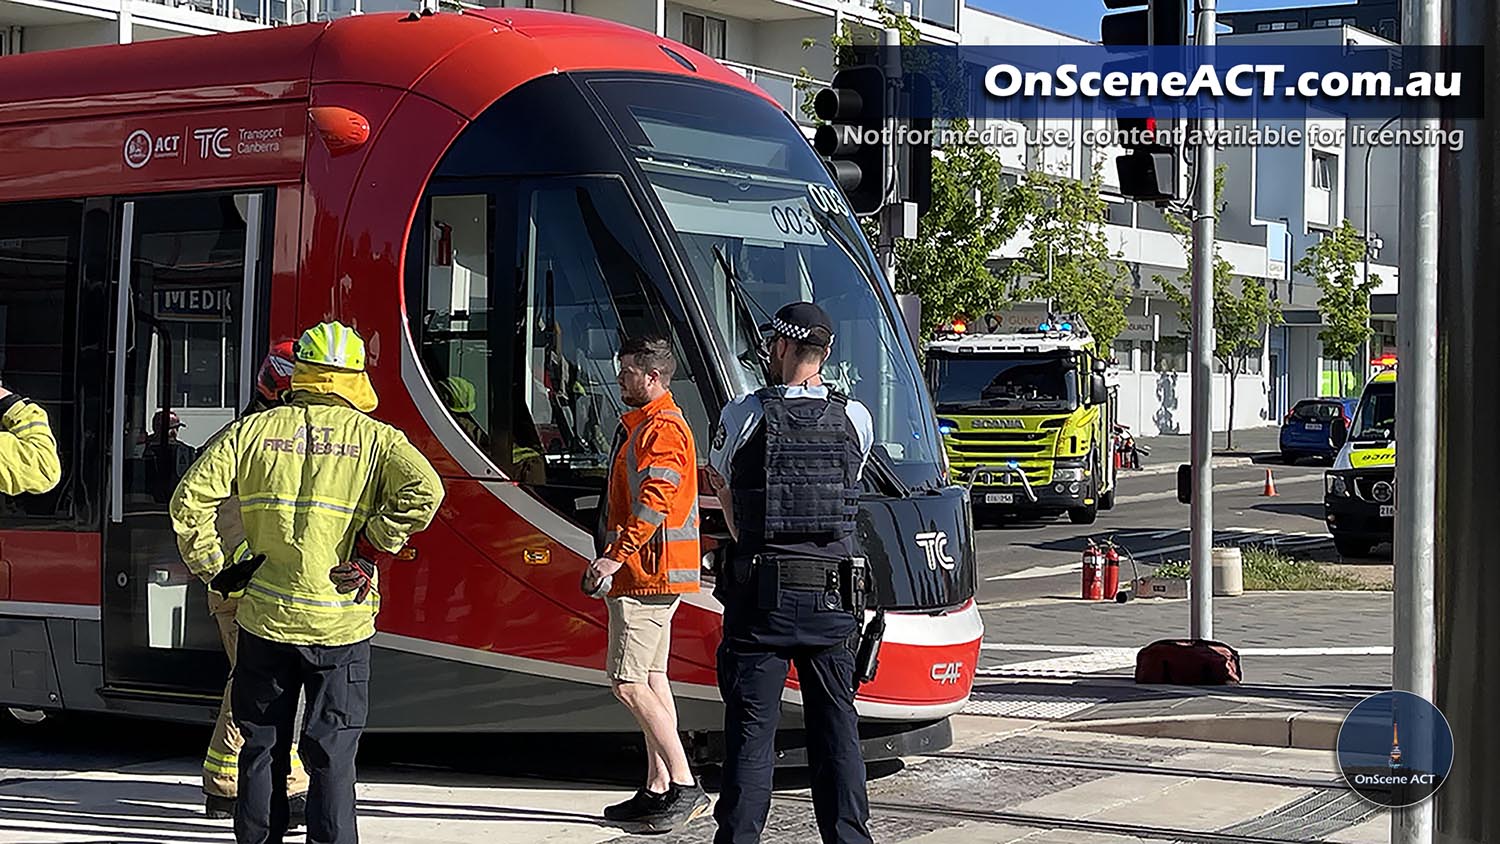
<point x="492" y="199"/>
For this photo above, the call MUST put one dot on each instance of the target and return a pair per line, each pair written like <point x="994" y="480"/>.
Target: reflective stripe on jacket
<point x="28" y="450"/>
<point x="309" y="476"/>
<point x="652" y="520"/>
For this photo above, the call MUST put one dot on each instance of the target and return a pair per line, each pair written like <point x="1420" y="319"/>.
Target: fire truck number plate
<point x="999" y="498"/>
<point x="1387" y="510"/>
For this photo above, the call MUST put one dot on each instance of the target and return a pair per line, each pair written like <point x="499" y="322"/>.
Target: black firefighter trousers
<point x="267" y="679"/>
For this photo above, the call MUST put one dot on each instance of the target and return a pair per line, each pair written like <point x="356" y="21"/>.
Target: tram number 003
<point x="794" y="219"/>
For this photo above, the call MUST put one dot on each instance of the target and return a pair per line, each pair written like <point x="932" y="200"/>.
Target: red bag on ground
<point x="1188" y="662"/>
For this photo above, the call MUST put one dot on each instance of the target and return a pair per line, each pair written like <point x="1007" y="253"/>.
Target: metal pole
<point x="1468" y="665"/>
<point x="1414" y="655"/>
<point x="891" y="40"/>
<point x="1369" y="148"/>
<point x="1202" y="366"/>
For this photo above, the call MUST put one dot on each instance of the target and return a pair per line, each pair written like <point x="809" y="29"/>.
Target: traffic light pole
<point x="1202" y="624"/>
<point x="891" y="40"/>
<point x="1415" y="640"/>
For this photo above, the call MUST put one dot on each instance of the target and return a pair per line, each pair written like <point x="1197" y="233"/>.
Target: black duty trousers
<point x="267" y="679"/>
<point x="753" y="658"/>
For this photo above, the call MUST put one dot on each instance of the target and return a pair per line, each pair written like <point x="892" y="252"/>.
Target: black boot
<point x="218" y="808"/>
<point x="296" y="808"/>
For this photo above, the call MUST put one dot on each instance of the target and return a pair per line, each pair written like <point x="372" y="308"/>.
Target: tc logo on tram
<point x="935" y="544"/>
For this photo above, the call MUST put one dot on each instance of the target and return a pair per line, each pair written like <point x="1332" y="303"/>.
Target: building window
<point x="1172" y="354"/>
<point x="1322" y="171"/>
<point x="1123" y="356"/>
<point x="704" y="34"/>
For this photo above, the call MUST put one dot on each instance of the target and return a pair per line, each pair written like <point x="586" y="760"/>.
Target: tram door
<point x="183" y="346"/>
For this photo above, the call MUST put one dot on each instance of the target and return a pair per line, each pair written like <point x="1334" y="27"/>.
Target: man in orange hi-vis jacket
<point x="650" y="558"/>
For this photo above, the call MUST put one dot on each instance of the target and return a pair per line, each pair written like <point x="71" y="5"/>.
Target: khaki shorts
<point x="640" y="634"/>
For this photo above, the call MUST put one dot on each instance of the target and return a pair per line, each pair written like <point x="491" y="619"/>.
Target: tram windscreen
<point x="760" y="224"/>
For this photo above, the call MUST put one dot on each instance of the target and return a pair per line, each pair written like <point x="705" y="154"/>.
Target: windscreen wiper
<point x="743" y="315"/>
<point x="885" y="473"/>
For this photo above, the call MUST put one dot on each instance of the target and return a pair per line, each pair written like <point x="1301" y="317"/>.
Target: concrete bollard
<point x="1229" y="575"/>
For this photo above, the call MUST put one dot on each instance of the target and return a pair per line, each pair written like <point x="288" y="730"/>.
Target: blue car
<point x="1316" y="428"/>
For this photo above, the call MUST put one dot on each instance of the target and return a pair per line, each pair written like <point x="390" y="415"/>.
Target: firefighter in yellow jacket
<point x="326" y="494"/>
<point x="28" y="450"/>
<point x="221" y="771"/>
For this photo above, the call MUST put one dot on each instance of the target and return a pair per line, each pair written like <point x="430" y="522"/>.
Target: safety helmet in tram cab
<point x="332" y="344"/>
<point x="459" y="394"/>
<point x="275" y="376"/>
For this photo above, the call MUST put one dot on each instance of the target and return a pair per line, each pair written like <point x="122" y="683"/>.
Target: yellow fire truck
<point x="1027" y="416"/>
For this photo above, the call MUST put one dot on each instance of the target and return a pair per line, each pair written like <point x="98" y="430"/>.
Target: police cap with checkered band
<point x="804" y="322"/>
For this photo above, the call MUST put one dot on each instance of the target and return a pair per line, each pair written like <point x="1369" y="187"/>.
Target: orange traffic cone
<point x="1270" y="489"/>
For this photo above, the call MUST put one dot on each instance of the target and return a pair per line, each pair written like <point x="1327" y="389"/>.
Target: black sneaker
<point x="641" y="804"/>
<point x="296" y="808"/>
<point x="218" y="808"/>
<point x="683" y="804"/>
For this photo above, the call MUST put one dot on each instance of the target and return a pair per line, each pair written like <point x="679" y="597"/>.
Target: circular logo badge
<point x="1383" y="491"/>
<point x="1395" y="749"/>
<point x="138" y="149"/>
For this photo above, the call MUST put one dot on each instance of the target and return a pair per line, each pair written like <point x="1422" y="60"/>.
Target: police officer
<point x="786" y="463"/>
<point x="326" y="494"/>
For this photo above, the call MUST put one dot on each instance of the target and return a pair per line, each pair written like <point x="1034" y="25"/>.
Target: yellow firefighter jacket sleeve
<point x="28" y="450"/>
<point x="309" y="477"/>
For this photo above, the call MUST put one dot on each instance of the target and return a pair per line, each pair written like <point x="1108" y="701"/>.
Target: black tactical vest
<point x="796" y="481"/>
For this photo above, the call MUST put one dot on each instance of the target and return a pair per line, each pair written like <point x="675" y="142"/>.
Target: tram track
<point x="1112" y="767"/>
<point x="1058" y="822"/>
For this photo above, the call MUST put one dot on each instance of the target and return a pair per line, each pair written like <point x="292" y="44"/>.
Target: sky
<point x="1081" y="17"/>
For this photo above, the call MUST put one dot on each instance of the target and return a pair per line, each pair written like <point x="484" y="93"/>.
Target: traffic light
<point x="1163" y="23"/>
<point x="854" y="136"/>
<point x="1152" y="168"/>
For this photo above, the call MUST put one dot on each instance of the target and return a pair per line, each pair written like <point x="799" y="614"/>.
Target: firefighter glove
<point x="357" y="576"/>
<point x="232" y="580"/>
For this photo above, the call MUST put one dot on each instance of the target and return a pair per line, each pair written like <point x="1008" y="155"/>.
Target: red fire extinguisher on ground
<point x="1111" y="570"/>
<point x="1093" y="573"/>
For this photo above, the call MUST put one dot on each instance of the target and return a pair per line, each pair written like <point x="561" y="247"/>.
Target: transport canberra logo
<point x="206" y="143"/>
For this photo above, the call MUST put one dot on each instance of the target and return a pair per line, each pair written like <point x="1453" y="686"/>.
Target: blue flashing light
<point x="1015" y="464"/>
<point x="947" y="426"/>
<point x="1067" y="326"/>
<point x="1044" y="327"/>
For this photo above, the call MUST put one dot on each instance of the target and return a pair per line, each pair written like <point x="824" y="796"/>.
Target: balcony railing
<point x="283" y="12"/>
<point x="943" y="13"/>
<point x="781" y="86"/>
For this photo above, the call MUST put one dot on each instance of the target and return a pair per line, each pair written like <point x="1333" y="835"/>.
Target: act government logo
<point x="1395" y="749"/>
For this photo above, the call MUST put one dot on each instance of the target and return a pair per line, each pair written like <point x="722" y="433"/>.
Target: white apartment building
<point x="1278" y="200"/>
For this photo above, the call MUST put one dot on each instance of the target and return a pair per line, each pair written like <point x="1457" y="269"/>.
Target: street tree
<point x="1333" y="263"/>
<point x="1068" y="262"/>
<point x="1242" y="313"/>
